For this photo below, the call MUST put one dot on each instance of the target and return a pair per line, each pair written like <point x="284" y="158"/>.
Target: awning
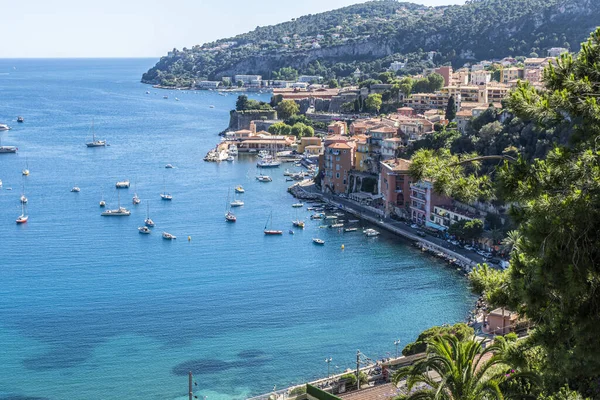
<point x="430" y="224"/>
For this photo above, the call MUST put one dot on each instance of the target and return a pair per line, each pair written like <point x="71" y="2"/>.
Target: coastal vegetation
<point x="553" y="187"/>
<point x="372" y="35"/>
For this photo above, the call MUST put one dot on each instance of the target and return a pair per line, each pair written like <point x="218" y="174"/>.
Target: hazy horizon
<point x="141" y="29"/>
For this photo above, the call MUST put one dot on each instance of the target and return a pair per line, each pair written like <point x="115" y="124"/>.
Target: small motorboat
<point x="291" y="232"/>
<point x="144" y="229"/>
<point x="169" y="166"/>
<point x="353" y="221"/>
<point x="272" y="232"/>
<point x="25" y="172"/>
<point x="176" y="99"/>
<point x="211" y="106"/>
<point x="75" y="189"/>
<point x="298" y="205"/>
<point x="147" y="92"/>
<point x="149" y="222"/>
<point x="20" y="119"/>
<point x="136" y="200"/>
<point x="237" y="203"/>
<point x="166" y="196"/>
<point x="316" y="216"/>
<point x="336" y="226"/>
<point x="168" y="236"/>
<point x="264" y="178"/>
<point x="318" y="241"/>
<point x="371" y="232"/>
<point x="239" y="189"/>
<point x="298" y="223"/>
<point x="102" y="203"/>
<point x="165" y="97"/>
<point x="122" y="185"/>
<point x="350" y="229"/>
<point x="230" y="158"/>
<point x="230" y="217"/>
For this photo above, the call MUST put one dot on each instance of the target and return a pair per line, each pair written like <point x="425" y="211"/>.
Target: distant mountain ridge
<point x="334" y="43"/>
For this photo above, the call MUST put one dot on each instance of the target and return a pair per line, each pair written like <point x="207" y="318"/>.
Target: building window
<point x="337" y="175"/>
<point x="337" y="167"/>
<point x="337" y="158"/>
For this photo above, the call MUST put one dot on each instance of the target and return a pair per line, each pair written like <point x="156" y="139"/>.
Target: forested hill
<point x="372" y="35"/>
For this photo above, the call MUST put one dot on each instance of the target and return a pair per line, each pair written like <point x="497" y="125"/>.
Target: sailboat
<point x="23" y="198"/>
<point x="94" y="142"/>
<point x="136" y="200"/>
<point x="23" y="217"/>
<point x="119" y="212"/>
<point x="271" y="231"/>
<point x="25" y="172"/>
<point x="164" y="195"/>
<point x="298" y="222"/>
<point x="229" y="216"/>
<point x="148" y="221"/>
<point x="236" y="202"/>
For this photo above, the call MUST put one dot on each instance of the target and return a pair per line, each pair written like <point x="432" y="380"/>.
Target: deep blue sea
<point x="91" y="309"/>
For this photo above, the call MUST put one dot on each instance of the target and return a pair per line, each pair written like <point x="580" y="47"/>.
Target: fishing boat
<point x="148" y="221"/>
<point x="298" y="205"/>
<point x="95" y="142"/>
<point x="144" y="229"/>
<point x="271" y="231"/>
<point x="122" y="184"/>
<point x="168" y="236"/>
<point x="350" y="229"/>
<point x="318" y="241"/>
<point x="119" y="212"/>
<point x="23" y="217"/>
<point x="239" y="189"/>
<point x="75" y="189"/>
<point x="20" y="119"/>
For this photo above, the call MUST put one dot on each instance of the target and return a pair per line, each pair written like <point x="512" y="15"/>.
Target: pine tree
<point x="451" y="109"/>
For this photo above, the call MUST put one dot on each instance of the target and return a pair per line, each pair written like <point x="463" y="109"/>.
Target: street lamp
<point x="328" y="361"/>
<point x="397" y="342"/>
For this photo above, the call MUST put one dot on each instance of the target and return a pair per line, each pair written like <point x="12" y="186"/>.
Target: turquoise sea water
<point x="89" y="308"/>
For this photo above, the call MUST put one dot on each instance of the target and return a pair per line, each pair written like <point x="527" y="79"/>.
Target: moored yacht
<point x="4" y="127"/>
<point x="144" y="229"/>
<point x="122" y="184"/>
<point x="230" y="217"/>
<point x="239" y="189"/>
<point x="119" y="212"/>
<point x="168" y="236"/>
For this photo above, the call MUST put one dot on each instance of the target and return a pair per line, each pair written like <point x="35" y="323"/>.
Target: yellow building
<point x="510" y="74"/>
<point x="363" y="150"/>
<point x="308" y="141"/>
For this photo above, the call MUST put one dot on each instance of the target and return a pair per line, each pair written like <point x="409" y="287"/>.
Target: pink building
<point x="446" y="72"/>
<point x="422" y="202"/>
<point x="394" y="186"/>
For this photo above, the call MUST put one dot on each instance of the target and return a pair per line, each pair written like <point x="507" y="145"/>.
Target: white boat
<point x="25" y="171"/>
<point x="263" y="153"/>
<point x="176" y="99"/>
<point x="23" y="217"/>
<point x="8" y="149"/>
<point x="318" y="241"/>
<point x="211" y="106"/>
<point x="148" y="221"/>
<point x="4" y="127"/>
<point x="169" y="166"/>
<point x="336" y="226"/>
<point x="102" y="203"/>
<point x="136" y="200"/>
<point x="119" y="212"/>
<point x="23" y="199"/>
<point x="95" y="142"/>
<point x="271" y="231"/>
<point x="353" y="221"/>
<point x="264" y="178"/>
<point x="238" y="189"/>
<point x="144" y="229"/>
<point x="233" y="150"/>
<point x="268" y="163"/>
<point x="122" y="184"/>
<point x="236" y="203"/>
<point x="168" y="236"/>
<point x="0" y="183"/>
<point x="298" y="205"/>
<point x="165" y="97"/>
<point x="230" y="158"/>
<point x="371" y="232"/>
<point x="229" y="216"/>
<point x="164" y="195"/>
<point x="350" y="229"/>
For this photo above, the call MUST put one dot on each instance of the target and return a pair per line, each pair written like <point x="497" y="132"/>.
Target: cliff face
<point x="385" y="30"/>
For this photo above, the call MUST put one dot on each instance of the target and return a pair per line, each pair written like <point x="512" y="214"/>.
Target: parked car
<point x="414" y="226"/>
<point x="421" y="233"/>
<point x="468" y="247"/>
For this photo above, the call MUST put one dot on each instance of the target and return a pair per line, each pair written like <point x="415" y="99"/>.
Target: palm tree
<point x="461" y="370"/>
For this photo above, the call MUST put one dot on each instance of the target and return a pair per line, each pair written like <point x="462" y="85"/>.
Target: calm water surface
<point x="89" y="308"/>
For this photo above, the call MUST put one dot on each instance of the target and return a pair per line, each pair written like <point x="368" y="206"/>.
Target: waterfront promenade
<point x="468" y="258"/>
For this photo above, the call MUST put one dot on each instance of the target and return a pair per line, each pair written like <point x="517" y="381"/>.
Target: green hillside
<point x="372" y="35"/>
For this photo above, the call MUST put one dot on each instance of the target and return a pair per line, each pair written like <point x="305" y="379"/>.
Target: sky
<point x="140" y="28"/>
